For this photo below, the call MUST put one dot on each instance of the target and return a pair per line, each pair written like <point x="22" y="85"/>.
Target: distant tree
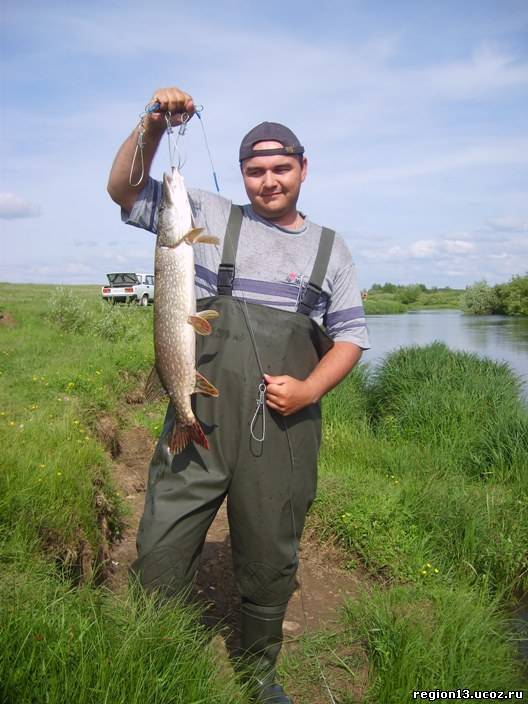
<point x="409" y="294"/>
<point x="480" y="299"/>
<point x="513" y="296"/>
<point x="389" y="288"/>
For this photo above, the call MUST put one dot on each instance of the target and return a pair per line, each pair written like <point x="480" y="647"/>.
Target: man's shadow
<point x="215" y="590"/>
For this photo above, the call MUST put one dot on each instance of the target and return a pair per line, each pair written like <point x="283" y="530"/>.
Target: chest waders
<point x="269" y="485"/>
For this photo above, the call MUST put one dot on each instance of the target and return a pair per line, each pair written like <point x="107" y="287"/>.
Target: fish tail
<point x="183" y="434"/>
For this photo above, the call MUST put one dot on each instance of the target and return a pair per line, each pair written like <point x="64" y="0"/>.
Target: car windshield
<point x="123" y="279"/>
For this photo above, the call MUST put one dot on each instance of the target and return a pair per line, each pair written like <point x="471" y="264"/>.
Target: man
<point x="274" y="279"/>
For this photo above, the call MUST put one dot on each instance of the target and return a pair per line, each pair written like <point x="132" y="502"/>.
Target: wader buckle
<point x="226" y="276"/>
<point x="310" y="298"/>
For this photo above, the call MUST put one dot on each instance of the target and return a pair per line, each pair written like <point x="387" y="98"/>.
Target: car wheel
<point x="144" y="300"/>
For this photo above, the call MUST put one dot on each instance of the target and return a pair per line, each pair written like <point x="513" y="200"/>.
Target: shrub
<point x="513" y="296"/>
<point x="69" y="311"/>
<point x="409" y="294"/>
<point x="480" y="299"/>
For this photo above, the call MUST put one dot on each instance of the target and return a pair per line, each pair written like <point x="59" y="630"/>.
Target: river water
<point x="499" y="337"/>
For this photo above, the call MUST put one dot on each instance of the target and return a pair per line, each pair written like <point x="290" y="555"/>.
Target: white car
<point x="127" y="287"/>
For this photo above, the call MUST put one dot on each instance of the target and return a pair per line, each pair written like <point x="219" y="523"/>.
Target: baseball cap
<point x="270" y="132"/>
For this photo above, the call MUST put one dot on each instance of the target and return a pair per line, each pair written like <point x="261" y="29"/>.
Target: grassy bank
<point x="424" y="481"/>
<point x="390" y="298"/>
<point x="82" y="645"/>
<point x="66" y="361"/>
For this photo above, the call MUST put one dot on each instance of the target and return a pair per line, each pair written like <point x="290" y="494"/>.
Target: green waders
<point x="269" y="484"/>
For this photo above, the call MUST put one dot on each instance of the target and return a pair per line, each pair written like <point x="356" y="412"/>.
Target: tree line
<point x="507" y="299"/>
<point x="479" y="298"/>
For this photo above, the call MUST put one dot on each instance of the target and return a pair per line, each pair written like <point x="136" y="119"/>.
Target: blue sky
<point x="413" y="114"/>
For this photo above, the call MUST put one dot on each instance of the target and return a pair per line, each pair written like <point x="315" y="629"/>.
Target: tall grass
<point x="466" y="407"/>
<point x="423" y="480"/>
<point x="64" y="361"/>
<point x="59" y="644"/>
<point x="436" y="638"/>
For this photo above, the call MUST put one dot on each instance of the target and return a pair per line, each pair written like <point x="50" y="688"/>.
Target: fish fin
<point x="182" y="435"/>
<point x="154" y="390"/>
<point x="203" y="386"/>
<point x="207" y="239"/>
<point x="196" y="235"/>
<point x="208" y="314"/>
<point x="200" y="325"/>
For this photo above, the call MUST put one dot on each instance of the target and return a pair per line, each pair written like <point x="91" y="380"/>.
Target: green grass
<point x="424" y="481"/>
<point x="58" y="374"/>
<point x="66" y="360"/>
<point x="465" y="407"/>
<point x="420" y="638"/>
<point x="84" y="645"/>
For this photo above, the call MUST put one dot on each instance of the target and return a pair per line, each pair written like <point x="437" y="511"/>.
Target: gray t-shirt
<point x="273" y="264"/>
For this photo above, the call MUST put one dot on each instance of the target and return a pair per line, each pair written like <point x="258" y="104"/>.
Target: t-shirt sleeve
<point x="345" y="317"/>
<point x="144" y="213"/>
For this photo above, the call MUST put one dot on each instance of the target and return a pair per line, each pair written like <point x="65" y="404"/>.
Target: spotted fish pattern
<point x="175" y="318"/>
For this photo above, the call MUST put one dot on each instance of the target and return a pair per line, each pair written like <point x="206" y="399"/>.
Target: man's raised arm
<point x="121" y="191"/>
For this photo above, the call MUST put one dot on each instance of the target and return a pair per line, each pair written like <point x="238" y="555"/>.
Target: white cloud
<point x="423" y="249"/>
<point x="13" y="206"/>
<point x="508" y="224"/>
<point x="458" y="246"/>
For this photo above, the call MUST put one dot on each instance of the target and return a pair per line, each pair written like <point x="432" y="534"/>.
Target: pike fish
<point x="175" y="318"/>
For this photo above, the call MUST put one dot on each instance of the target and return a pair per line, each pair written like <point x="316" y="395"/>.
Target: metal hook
<point x="261" y="403"/>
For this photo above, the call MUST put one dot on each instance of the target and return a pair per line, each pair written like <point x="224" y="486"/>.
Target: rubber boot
<point x="261" y="644"/>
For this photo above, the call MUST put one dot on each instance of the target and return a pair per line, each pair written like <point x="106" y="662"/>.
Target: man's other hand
<point x="287" y="395"/>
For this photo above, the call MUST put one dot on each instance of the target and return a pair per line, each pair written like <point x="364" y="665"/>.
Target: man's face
<point x="273" y="183"/>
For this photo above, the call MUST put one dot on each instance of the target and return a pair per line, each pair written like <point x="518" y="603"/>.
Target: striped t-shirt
<point x="273" y="264"/>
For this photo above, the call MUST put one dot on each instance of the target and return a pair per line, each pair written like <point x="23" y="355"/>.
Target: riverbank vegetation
<point x="394" y="298"/>
<point x="507" y="299"/>
<point x="422" y="481"/>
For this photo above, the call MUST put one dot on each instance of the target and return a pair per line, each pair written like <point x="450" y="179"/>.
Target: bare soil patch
<point x="7" y="319"/>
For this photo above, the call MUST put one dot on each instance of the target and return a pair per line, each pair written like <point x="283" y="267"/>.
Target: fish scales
<point x="175" y="318"/>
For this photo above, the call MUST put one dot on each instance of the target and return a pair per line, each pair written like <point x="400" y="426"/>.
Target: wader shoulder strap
<point x="226" y="270"/>
<point x="315" y="285"/>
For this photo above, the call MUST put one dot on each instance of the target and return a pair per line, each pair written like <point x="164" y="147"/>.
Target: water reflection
<point x="496" y="336"/>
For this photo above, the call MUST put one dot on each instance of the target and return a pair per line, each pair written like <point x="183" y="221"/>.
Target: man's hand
<point x="287" y="395"/>
<point x="153" y="126"/>
<point x="171" y="100"/>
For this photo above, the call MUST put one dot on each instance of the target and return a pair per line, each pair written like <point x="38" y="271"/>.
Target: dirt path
<point x="323" y="582"/>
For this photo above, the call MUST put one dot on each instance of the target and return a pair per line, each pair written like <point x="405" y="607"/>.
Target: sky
<point x="413" y="116"/>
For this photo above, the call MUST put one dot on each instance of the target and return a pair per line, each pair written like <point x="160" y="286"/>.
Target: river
<point x="499" y="337"/>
